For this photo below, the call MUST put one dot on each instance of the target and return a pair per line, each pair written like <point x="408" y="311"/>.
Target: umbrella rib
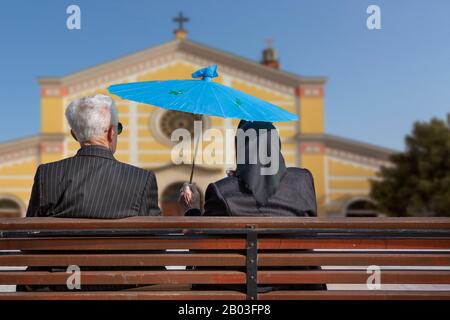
<point x="229" y="97"/>
<point x="143" y="86"/>
<point x="134" y="97"/>
<point x="137" y="95"/>
<point x="265" y="106"/>
<point x="160" y="95"/>
<point x="217" y="99"/>
<point x="200" y="95"/>
<point x="178" y="98"/>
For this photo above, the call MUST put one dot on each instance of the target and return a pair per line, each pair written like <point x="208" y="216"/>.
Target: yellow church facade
<point x="342" y="168"/>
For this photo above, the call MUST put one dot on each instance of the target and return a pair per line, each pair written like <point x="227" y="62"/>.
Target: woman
<point x="250" y="191"/>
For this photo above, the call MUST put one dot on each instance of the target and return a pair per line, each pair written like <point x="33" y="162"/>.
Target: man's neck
<point x="95" y="143"/>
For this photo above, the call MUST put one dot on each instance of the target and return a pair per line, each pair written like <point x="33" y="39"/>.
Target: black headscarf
<point x="249" y="173"/>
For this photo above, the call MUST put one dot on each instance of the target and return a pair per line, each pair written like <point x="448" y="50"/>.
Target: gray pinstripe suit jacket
<point x="93" y="184"/>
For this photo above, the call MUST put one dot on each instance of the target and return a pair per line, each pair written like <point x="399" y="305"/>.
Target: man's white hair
<point x="90" y="117"/>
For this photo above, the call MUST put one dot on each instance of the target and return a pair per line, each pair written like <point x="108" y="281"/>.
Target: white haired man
<point x="93" y="184"/>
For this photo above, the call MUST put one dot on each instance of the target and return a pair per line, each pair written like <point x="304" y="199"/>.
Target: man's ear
<point x="110" y="133"/>
<point x="73" y="135"/>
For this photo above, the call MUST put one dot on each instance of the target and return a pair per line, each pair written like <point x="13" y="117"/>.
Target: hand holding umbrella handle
<point x="189" y="197"/>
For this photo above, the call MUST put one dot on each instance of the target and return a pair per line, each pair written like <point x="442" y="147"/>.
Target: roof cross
<point x="180" y="19"/>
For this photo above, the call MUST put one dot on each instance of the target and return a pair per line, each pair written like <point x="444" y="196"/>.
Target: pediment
<point x="196" y="54"/>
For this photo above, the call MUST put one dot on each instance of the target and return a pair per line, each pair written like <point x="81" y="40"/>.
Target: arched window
<point x="169" y="200"/>
<point x="361" y="208"/>
<point x="10" y="208"/>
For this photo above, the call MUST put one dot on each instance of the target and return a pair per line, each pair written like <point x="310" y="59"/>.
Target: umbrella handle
<point x="196" y="117"/>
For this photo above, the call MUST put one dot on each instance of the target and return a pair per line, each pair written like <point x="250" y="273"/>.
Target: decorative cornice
<point x="310" y="91"/>
<point x="312" y="147"/>
<point x="29" y="147"/>
<point x="18" y="157"/>
<point x="52" y="91"/>
<point x="51" y="147"/>
<point x="19" y="144"/>
<point x="355" y="159"/>
<point x="131" y="64"/>
<point x="350" y="149"/>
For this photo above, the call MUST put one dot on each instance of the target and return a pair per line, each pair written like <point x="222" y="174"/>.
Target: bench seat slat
<point x="67" y="244"/>
<point x="353" y="259"/>
<point x="225" y="277"/>
<point x="227" y="259"/>
<point x="418" y="244"/>
<point x="49" y="223"/>
<point x="231" y="295"/>
<point x="128" y="259"/>
<point x="355" y="295"/>
<point x="126" y="295"/>
<point x="78" y="244"/>
<point x="354" y="276"/>
<point x="124" y="277"/>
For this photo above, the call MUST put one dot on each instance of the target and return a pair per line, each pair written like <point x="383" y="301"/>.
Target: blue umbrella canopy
<point x="202" y="97"/>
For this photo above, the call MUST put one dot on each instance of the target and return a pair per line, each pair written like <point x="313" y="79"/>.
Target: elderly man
<point x="93" y="184"/>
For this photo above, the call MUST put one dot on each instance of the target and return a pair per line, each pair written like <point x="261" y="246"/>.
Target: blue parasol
<point x="201" y="97"/>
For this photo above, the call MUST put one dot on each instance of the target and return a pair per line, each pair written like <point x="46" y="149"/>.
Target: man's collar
<point x="95" y="151"/>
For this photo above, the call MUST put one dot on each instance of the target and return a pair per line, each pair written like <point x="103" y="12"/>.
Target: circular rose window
<point x="164" y="122"/>
<point x="172" y="120"/>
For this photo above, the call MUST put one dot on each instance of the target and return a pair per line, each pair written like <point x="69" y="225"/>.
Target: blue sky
<point x="380" y="81"/>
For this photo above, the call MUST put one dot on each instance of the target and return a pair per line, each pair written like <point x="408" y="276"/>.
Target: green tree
<point x="418" y="183"/>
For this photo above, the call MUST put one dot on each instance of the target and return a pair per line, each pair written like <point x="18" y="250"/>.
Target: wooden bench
<point x="233" y="251"/>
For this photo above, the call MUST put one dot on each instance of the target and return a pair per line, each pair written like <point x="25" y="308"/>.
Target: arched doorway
<point x="361" y="207"/>
<point x="10" y="207"/>
<point x="169" y="200"/>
